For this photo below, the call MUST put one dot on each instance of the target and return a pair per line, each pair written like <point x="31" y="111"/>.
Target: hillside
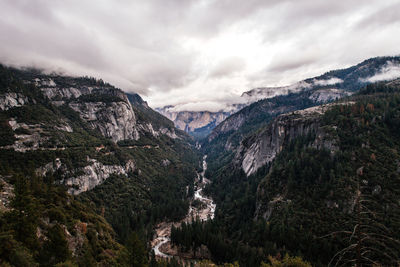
<point x="325" y="88"/>
<point x="124" y="166"/>
<point x="91" y="176"/>
<point x="224" y="140"/>
<point x="327" y="173"/>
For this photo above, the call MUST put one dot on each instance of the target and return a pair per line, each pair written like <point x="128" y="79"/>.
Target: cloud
<point x="211" y="106"/>
<point x="227" y="67"/>
<point x="388" y="72"/>
<point x="287" y="62"/>
<point x="330" y="81"/>
<point x="196" y="52"/>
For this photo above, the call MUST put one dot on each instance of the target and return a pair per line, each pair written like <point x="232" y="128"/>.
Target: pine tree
<point x="25" y="213"/>
<point x="137" y="251"/>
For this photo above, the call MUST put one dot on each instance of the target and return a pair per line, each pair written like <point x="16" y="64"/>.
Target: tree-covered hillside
<point x="327" y="206"/>
<point x="71" y="192"/>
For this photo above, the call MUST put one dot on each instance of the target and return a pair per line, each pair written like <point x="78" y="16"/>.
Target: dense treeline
<point x="42" y="219"/>
<point x="309" y="201"/>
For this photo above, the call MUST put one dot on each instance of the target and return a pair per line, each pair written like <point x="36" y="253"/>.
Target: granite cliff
<point x="262" y="147"/>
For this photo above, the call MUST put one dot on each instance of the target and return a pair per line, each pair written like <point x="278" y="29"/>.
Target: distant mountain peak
<point x="324" y="88"/>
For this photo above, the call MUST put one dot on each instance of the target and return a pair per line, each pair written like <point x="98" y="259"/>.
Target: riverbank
<point x="161" y="242"/>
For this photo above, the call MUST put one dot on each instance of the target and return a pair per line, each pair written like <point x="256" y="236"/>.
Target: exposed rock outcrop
<point x="192" y="121"/>
<point x="237" y="120"/>
<point x="33" y="136"/>
<point x="115" y="120"/>
<point x="86" y="178"/>
<point x="261" y="148"/>
<point x="10" y="100"/>
<point x="94" y="174"/>
<point x="327" y="95"/>
<point x="6" y="194"/>
<point x="105" y="108"/>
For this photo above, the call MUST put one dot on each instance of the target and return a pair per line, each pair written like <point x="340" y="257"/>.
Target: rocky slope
<point x="321" y="89"/>
<point x="89" y="139"/>
<point x="9" y="100"/>
<point x="80" y="180"/>
<point x="261" y="148"/>
<point x="104" y="107"/>
<point x="226" y="137"/>
<point x="101" y="107"/>
<point x="198" y="124"/>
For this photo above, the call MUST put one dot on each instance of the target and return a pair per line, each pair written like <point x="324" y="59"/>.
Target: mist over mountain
<point x="325" y="88"/>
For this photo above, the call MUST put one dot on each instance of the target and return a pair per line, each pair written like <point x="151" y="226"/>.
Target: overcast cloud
<point x="196" y="53"/>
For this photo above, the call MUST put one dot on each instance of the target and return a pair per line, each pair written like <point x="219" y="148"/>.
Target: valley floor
<point x="161" y="243"/>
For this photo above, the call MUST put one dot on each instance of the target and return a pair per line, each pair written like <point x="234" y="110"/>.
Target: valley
<point x="98" y="175"/>
<point x="203" y="211"/>
<point x="208" y="133"/>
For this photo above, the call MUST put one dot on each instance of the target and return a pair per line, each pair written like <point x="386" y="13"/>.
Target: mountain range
<point x="325" y="88"/>
<point x="305" y="175"/>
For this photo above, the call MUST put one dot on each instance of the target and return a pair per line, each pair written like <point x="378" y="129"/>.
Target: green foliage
<point x="13" y="252"/>
<point x="137" y="251"/>
<point x="150" y="194"/>
<point x="44" y="219"/>
<point x="55" y="249"/>
<point x="67" y="263"/>
<point x="24" y="215"/>
<point x="6" y="132"/>
<point x="35" y="201"/>
<point x="287" y="261"/>
<point x="34" y="114"/>
<point x="294" y="205"/>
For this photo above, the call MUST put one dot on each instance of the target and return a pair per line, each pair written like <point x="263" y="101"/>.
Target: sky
<point x="196" y="54"/>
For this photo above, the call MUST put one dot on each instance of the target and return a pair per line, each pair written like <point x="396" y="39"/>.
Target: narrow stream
<point x="163" y="230"/>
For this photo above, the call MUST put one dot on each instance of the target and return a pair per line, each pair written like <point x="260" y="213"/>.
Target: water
<point x="163" y="230"/>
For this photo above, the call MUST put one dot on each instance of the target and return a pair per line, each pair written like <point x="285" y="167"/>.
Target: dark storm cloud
<point x="196" y="51"/>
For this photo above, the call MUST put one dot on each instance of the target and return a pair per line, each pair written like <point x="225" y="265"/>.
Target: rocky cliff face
<point x="261" y="148"/>
<point x="255" y="113"/>
<point x="159" y="125"/>
<point x="114" y="120"/>
<point x="56" y="114"/>
<point x="234" y="122"/>
<point x="192" y="121"/>
<point x="86" y="178"/>
<point x="105" y="108"/>
<point x="10" y="100"/>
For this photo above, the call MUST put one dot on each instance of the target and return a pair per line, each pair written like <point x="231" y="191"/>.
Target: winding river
<point x="205" y="212"/>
